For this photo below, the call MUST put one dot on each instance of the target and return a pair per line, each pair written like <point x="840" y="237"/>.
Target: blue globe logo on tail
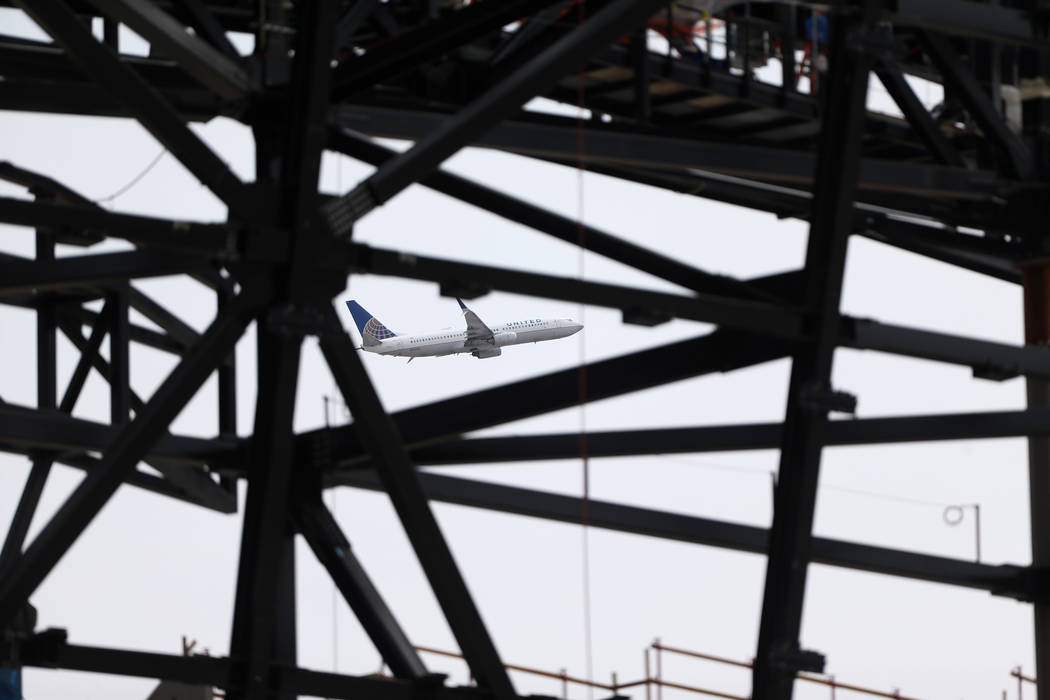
<point x="371" y="328"/>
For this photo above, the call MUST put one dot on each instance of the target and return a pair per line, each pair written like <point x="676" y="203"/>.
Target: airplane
<point x="478" y="339"/>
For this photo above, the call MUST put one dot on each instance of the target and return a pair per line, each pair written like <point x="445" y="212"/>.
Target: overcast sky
<point x="149" y="569"/>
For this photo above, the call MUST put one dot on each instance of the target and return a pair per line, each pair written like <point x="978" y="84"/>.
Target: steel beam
<point x="553" y="138"/>
<point x="1036" y="287"/>
<point x="963" y="84"/>
<point x="383" y="441"/>
<point x="1008" y="580"/>
<point x="351" y="20"/>
<point x="779" y="656"/>
<point x="175" y="327"/>
<point x="120" y="458"/>
<point x="49" y="649"/>
<point x="301" y="156"/>
<point x="721" y="351"/>
<point x="729" y="438"/>
<point x="71" y="329"/>
<point x="553" y="224"/>
<point x="210" y="67"/>
<point x="419" y="45"/>
<point x="986" y="357"/>
<point x="142" y="100"/>
<point x="920" y="120"/>
<point x="90" y="270"/>
<point x="87" y="99"/>
<point x="119" y="355"/>
<point x="616" y="18"/>
<point x="974" y="19"/>
<point x="333" y="550"/>
<point x="137" y="334"/>
<point x="998" y="360"/>
<point x="742" y="314"/>
<point x="936" y="239"/>
<point x="255" y="641"/>
<point x="46" y="391"/>
<point x="86" y="223"/>
<point x="206" y="26"/>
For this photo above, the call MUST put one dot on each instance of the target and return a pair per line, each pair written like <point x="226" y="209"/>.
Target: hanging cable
<point x="581" y="233"/>
<point x="134" y="181"/>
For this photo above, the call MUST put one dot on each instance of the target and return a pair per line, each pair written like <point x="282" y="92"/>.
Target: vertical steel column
<point x="46" y="393"/>
<point x="119" y="356"/>
<point x="227" y="390"/>
<point x="788" y="22"/>
<point x="640" y="59"/>
<point x="1036" y="280"/>
<point x="779" y="657"/>
<point x="264" y="612"/>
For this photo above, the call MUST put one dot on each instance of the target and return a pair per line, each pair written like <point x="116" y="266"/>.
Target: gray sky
<point x="149" y="570"/>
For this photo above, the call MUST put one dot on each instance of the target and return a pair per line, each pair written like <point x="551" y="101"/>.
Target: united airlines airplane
<point x="478" y="339"/>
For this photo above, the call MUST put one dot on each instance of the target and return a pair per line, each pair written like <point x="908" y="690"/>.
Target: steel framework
<point x="446" y="75"/>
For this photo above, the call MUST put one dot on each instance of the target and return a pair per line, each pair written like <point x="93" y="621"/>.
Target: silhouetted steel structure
<point x="965" y="184"/>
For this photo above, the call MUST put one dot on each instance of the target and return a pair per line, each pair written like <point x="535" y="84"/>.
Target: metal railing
<point x="655" y="682"/>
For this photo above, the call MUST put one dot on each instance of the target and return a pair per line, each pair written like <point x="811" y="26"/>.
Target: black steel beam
<point x="920" y="120"/>
<point x="89" y="351"/>
<point x="119" y="355"/>
<point x="424" y="43"/>
<point x="88" y="221"/>
<point x="200" y="17"/>
<point x="142" y="100"/>
<point x="49" y="650"/>
<point x="254" y="641"/>
<point x="333" y="550"/>
<point x="743" y="314"/>
<point x="551" y="223"/>
<point x="303" y="145"/>
<point x="730" y="438"/>
<point x="559" y="139"/>
<point x="174" y="326"/>
<point x="209" y="66"/>
<point x="383" y="441"/>
<point x="138" y="334"/>
<point x="721" y="351"/>
<point x="985" y="357"/>
<point x="121" y="457"/>
<point x="71" y="329"/>
<point x="779" y="656"/>
<point x="960" y="80"/>
<point x="1013" y="581"/>
<point x="47" y="396"/>
<point x="351" y="20"/>
<point x="616" y="18"/>
<point x="986" y="255"/>
<point x="87" y="99"/>
<point x="1012" y="25"/>
<point x="91" y="270"/>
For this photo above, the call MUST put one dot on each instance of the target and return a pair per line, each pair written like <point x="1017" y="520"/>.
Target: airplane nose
<point x="575" y="327"/>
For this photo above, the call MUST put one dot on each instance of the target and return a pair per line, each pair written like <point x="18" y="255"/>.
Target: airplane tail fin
<point x="372" y="330"/>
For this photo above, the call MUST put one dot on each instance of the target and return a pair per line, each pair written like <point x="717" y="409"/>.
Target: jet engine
<point x="482" y="353"/>
<point x="504" y="338"/>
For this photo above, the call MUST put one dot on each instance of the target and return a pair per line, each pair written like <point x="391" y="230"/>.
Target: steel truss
<point x="697" y="126"/>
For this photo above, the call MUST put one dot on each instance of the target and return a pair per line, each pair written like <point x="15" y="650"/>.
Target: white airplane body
<point x="478" y="339"/>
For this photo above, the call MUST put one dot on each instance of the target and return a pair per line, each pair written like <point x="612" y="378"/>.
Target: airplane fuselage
<point x="451" y="342"/>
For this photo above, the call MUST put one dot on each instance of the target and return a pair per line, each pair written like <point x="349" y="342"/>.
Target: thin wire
<point x="581" y="233"/>
<point x="134" y="181"/>
<point x="335" y="502"/>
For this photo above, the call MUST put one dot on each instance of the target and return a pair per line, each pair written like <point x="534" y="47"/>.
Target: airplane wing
<point x="477" y="331"/>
